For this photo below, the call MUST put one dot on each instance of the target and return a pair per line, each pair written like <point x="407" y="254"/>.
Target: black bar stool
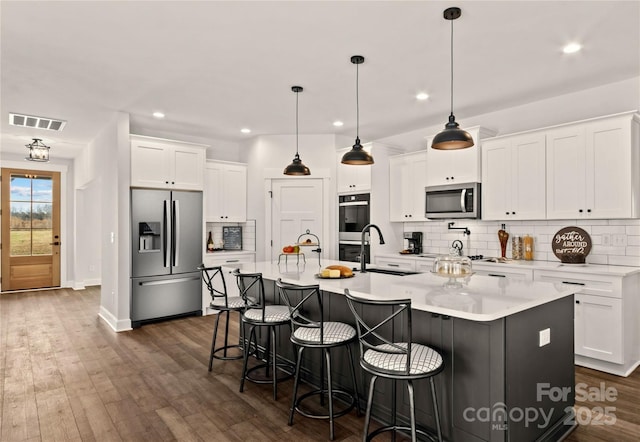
<point x="259" y="314"/>
<point x="387" y="358"/>
<point x="311" y="331"/>
<point x="213" y="278"/>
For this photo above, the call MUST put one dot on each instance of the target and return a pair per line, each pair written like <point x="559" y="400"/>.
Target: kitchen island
<point x="507" y="346"/>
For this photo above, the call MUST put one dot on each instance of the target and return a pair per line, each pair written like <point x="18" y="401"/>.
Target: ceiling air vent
<point x="36" y="122"/>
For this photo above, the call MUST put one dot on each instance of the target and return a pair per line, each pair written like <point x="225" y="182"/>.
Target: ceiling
<point x="214" y="67"/>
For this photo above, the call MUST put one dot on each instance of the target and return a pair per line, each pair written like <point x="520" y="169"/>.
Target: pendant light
<point x="357" y="155"/>
<point x="297" y="167"/>
<point x="38" y="151"/>
<point x="452" y="137"/>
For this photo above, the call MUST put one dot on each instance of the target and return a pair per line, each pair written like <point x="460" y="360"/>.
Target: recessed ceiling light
<point x="158" y="115"/>
<point x="245" y="131"/>
<point x="572" y="48"/>
<point x="338" y="123"/>
<point x="422" y="96"/>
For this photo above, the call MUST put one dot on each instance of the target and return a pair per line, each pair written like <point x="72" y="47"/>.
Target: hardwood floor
<point x="65" y="375"/>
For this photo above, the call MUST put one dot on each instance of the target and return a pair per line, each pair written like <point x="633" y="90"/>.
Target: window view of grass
<point x="31" y="216"/>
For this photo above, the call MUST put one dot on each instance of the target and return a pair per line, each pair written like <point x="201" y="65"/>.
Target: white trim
<point x="112" y="321"/>
<point x="63" y="169"/>
<point x="164" y="140"/>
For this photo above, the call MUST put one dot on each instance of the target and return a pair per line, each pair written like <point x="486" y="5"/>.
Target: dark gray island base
<point x="499" y="384"/>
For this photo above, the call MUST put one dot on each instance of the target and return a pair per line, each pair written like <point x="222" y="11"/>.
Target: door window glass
<point x="31" y="203"/>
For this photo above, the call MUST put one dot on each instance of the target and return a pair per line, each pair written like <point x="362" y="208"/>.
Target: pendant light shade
<point x="297" y="167"/>
<point x="452" y="137"/>
<point x="357" y="155"/>
<point x="38" y="151"/>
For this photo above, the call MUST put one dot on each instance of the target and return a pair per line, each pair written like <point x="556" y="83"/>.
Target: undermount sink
<point x="389" y="271"/>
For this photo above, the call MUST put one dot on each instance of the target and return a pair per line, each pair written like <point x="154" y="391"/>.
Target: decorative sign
<point x="232" y="237"/>
<point x="571" y="245"/>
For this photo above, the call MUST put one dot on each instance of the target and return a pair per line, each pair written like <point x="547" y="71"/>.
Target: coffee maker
<point x="414" y="240"/>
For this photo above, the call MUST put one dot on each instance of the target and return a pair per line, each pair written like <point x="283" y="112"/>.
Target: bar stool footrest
<point x="227" y="358"/>
<point x="268" y="380"/>
<point x="337" y="394"/>
<point x="405" y="429"/>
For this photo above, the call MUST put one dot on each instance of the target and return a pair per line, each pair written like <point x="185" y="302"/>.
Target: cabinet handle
<point x="580" y="210"/>
<point x="506" y="213"/>
<point x="588" y="210"/>
<point x="410" y="216"/>
<point x="166" y="182"/>
<point x="435" y="315"/>
<point x="577" y="301"/>
<point x="446" y="317"/>
<point x="452" y="177"/>
<point x="232" y="260"/>
<point x="496" y="275"/>
<point x="393" y="265"/>
<point x="573" y="283"/>
<point x="447" y="178"/>
<point x="173" y="182"/>
<point x="513" y="213"/>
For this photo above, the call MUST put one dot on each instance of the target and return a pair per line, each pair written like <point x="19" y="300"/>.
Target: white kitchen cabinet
<point x="395" y="263"/>
<point x="229" y="261"/>
<point x="607" y="335"/>
<point x="407" y="180"/>
<point x="456" y="166"/>
<point x="352" y="178"/>
<point x="494" y="270"/>
<point x="513" y="178"/>
<point x="166" y="164"/>
<point x="225" y="192"/>
<point x="592" y="169"/>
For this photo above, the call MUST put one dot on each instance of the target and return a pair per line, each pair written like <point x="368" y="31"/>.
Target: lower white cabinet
<point x="229" y="261"/>
<point x="395" y="263"/>
<point x="607" y="334"/>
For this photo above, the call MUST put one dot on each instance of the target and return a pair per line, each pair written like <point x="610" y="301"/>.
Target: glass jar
<point x="517" y="248"/>
<point x="452" y="267"/>
<point x="528" y="247"/>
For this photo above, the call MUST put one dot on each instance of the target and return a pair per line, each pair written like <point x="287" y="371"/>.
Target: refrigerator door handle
<point x="168" y="281"/>
<point x="165" y="231"/>
<point x="176" y="233"/>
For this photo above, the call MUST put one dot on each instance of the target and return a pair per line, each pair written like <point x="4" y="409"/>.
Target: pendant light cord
<point x="451" y="67"/>
<point x="357" y="102"/>
<point x="297" y="124"/>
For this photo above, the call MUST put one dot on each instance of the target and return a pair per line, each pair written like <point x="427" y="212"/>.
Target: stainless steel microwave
<point x="453" y="201"/>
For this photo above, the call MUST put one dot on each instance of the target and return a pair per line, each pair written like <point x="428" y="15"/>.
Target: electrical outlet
<point x="606" y="239"/>
<point x="545" y="337"/>
<point x="619" y="240"/>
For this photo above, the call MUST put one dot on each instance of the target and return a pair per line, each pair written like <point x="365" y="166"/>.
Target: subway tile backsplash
<point x="615" y="242"/>
<point x="248" y="233"/>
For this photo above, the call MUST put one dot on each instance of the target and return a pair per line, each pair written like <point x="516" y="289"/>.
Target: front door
<point x="30" y="229"/>
<point x="296" y="208"/>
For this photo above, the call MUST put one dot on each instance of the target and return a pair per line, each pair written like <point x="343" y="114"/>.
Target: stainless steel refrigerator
<point x="166" y="232"/>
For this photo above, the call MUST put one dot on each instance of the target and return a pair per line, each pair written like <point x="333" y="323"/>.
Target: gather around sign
<point x="571" y="245"/>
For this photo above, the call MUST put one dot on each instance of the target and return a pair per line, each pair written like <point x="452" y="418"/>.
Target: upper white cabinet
<point x="456" y="166"/>
<point x="592" y="169"/>
<point x="225" y="192"/>
<point x="513" y="178"/>
<point x="353" y="178"/>
<point x="407" y="180"/>
<point x="166" y="164"/>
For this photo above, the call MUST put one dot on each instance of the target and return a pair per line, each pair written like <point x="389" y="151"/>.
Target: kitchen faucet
<point x="363" y="259"/>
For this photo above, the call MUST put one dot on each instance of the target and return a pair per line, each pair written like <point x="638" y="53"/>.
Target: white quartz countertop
<point x="481" y="298"/>
<point x="592" y="269"/>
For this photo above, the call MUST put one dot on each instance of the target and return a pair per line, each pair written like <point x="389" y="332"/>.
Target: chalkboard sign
<point x="232" y="237"/>
<point x="571" y="245"/>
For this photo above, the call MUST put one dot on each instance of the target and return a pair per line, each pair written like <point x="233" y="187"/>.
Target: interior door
<point x="30" y="229"/>
<point x="296" y="207"/>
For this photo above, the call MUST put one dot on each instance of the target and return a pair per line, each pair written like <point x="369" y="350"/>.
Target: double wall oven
<point x="353" y="216"/>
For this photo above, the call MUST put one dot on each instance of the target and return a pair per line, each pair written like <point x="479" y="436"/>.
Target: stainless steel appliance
<point x="166" y="232"/>
<point x="353" y="216"/>
<point x="414" y="242"/>
<point x="453" y="201"/>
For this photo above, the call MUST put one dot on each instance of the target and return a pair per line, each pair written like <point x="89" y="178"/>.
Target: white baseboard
<point x="81" y="285"/>
<point x="113" y="322"/>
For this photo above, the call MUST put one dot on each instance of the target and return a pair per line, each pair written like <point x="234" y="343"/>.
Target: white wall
<point x="88" y="234"/>
<point x="265" y="153"/>
<point x="609" y="99"/>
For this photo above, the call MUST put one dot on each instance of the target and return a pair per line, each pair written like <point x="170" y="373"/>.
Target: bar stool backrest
<point x="305" y="305"/>
<point x="251" y="289"/>
<point x="218" y="291"/>
<point x="391" y="334"/>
